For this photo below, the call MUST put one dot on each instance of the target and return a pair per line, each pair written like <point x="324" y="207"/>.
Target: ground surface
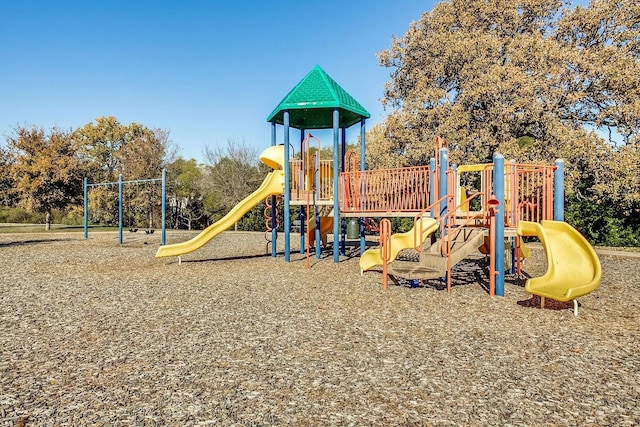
<point x="94" y="333"/>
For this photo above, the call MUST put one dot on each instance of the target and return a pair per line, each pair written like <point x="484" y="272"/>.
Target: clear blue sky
<point x="204" y="70"/>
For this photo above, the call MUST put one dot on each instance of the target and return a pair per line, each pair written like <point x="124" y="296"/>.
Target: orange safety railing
<point x="325" y="184"/>
<point x="532" y="190"/>
<point x="299" y="180"/>
<point x="385" y="190"/>
<point x="302" y="180"/>
<point x="528" y="190"/>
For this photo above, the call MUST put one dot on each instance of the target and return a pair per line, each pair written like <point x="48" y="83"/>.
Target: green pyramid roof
<point x="312" y="101"/>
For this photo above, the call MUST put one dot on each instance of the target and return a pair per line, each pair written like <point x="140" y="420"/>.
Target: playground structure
<point x="120" y="183"/>
<point x="449" y="223"/>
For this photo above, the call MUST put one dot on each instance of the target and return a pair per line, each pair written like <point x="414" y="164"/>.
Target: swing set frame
<point x="120" y="183"/>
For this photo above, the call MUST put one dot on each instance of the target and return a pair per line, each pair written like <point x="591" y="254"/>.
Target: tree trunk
<point x="47" y="225"/>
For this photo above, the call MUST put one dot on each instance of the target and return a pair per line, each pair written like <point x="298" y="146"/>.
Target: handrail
<point x="351" y="161"/>
<point x="448" y="230"/>
<point x="420" y="215"/>
<point x="309" y="163"/>
<point x="438" y="214"/>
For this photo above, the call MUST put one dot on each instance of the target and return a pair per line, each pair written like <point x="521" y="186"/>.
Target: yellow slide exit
<point x="573" y="267"/>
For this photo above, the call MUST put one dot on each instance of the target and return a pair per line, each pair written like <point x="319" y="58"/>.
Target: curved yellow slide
<point x="272" y="184"/>
<point x="399" y="241"/>
<point x="573" y="267"/>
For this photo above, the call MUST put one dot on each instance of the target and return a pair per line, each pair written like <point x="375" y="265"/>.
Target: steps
<point x="432" y="264"/>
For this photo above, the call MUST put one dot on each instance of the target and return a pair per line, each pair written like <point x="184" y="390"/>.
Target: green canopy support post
<point x="302" y="212"/>
<point x="336" y="192"/>
<point x="274" y="220"/>
<point x="363" y="241"/>
<point x="343" y="224"/>
<point x="287" y="191"/>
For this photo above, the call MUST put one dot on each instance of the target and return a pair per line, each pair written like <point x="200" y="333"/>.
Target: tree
<point x="185" y="193"/>
<point x="7" y="196"/>
<point x="135" y="151"/>
<point x="99" y="144"/>
<point x="142" y="156"/>
<point x="233" y="173"/>
<point x="47" y="171"/>
<point x="532" y="79"/>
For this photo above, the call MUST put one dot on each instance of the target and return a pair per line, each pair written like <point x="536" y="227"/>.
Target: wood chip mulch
<point x="94" y="333"/>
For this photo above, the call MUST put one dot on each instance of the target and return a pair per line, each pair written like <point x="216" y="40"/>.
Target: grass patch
<point x="39" y="228"/>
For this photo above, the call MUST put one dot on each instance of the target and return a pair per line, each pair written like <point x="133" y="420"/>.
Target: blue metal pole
<point x="558" y="191"/>
<point x="287" y="191"/>
<point x="86" y="207"/>
<point x="498" y="189"/>
<point x="120" y="208"/>
<point x="363" y="167"/>
<point x="302" y="213"/>
<point x="444" y="165"/>
<point x="274" y="211"/>
<point x="343" y="224"/>
<point x="432" y="185"/>
<point x="163" y="240"/>
<point x="336" y="194"/>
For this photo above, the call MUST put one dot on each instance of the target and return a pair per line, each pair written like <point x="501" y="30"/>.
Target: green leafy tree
<point x="185" y="194"/>
<point x="47" y="172"/>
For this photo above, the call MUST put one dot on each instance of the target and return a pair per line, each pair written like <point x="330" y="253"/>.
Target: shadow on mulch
<point x="470" y="271"/>
<point x="31" y="242"/>
<point x="549" y="304"/>
<point x="230" y="258"/>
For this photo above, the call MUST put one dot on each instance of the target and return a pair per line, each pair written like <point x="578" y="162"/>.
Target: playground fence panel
<point x="385" y="190"/>
<point x="528" y="190"/>
<point x="532" y="199"/>
<point x="302" y="181"/>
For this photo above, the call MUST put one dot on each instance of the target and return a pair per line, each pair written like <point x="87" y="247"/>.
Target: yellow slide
<point x="573" y="268"/>
<point x="272" y="184"/>
<point x="399" y="241"/>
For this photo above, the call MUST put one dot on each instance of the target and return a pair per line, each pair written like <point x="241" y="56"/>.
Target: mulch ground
<point x="94" y="333"/>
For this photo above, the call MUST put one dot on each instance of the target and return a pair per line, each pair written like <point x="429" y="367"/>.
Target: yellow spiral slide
<point x="573" y="267"/>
